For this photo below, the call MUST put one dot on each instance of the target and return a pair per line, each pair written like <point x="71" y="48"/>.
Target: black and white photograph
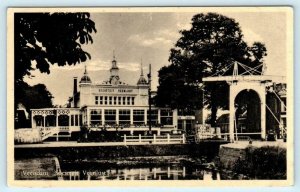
<point x="139" y="96"/>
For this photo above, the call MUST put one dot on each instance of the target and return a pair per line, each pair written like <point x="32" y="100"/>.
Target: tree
<point x="34" y="97"/>
<point x="209" y="47"/>
<point x="44" y="39"/>
<point x="31" y="97"/>
<point x="50" y="38"/>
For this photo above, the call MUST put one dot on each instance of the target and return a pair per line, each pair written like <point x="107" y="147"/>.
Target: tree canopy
<point x="212" y="43"/>
<point x="44" y="39"/>
<point x="50" y="38"/>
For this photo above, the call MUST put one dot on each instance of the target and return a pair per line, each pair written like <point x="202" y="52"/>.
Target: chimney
<point x="75" y="86"/>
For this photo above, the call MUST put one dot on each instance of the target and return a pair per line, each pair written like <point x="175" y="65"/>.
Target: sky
<point x="148" y="38"/>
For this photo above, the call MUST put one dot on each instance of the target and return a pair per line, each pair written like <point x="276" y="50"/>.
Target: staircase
<point x="47" y="132"/>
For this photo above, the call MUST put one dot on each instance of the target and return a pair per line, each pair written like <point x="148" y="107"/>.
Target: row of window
<point x="63" y="120"/>
<point x="138" y="117"/>
<point x="114" y="100"/>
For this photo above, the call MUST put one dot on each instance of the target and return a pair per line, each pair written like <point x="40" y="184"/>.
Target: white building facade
<point x="111" y="106"/>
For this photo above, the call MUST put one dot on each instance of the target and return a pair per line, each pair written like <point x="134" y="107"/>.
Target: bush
<point x="263" y="163"/>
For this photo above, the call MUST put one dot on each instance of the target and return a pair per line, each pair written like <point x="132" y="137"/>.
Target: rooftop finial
<point x="142" y="72"/>
<point x="85" y="71"/>
<point x="114" y="57"/>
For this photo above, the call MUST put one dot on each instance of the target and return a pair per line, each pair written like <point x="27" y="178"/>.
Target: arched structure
<point x="237" y="87"/>
<point x="249" y="79"/>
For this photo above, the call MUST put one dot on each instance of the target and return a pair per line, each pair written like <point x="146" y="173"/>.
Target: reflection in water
<point x="157" y="173"/>
<point x="185" y="169"/>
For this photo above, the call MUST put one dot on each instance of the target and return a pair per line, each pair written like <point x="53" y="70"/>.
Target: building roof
<point x="142" y="80"/>
<point x="85" y="78"/>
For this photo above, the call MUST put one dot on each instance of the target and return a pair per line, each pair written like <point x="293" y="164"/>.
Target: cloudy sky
<point x="149" y="37"/>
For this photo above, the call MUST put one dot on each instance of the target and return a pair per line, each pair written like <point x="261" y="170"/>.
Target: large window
<point x="154" y="117"/>
<point x="96" y="118"/>
<point x="39" y="120"/>
<point x="63" y="120"/>
<point x="138" y="117"/>
<point x="110" y="116"/>
<point x="166" y="117"/>
<point x="50" y="121"/>
<point x="124" y="116"/>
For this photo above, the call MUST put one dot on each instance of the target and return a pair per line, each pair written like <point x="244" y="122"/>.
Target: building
<point x="111" y="106"/>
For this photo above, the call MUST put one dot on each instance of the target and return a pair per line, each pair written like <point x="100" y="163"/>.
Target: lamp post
<point x="149" y="99"/>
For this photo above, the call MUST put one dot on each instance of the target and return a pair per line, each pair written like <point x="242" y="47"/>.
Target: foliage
<point x="42" y="39"/>
<point x="34" y="97"/>
<point x="209" y="47"/>
<point x="263" y="163"/>
<point x="49" y="38"/>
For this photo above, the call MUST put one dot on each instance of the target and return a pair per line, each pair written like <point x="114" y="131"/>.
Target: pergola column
<point x="232" y="96"/>
<point x="263" y="115"/>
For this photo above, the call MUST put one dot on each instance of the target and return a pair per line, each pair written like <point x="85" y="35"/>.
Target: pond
<point x="128" y="168"/>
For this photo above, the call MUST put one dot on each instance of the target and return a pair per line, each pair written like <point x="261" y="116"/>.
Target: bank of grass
<point x="268" y="162"/>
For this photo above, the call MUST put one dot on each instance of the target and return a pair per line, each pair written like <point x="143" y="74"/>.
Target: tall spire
<point x="142" y="80"/>
<point x="85" y="71"/>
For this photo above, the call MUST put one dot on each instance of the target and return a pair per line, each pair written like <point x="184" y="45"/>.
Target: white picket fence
<point x="154" y="139"/>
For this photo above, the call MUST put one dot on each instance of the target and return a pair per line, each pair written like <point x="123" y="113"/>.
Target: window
<point x="72" y="120"/>
<point x="101" y="100"/>
<point x="128" y="100"/>
<point x="96" y="100"/>
<point x="124" y="117"/>
<point x="115" y="100"/>
<point x="105" y="100"/>
<point x="138" y="117"/>
<point x="96" y="118"/>
<point x="119" y="100"/>
<point x="154" y="117"/>
<point x="80" y="119"/>
<point x="63" y="120"/>
<point x="39" y="120"/>
<point x="110" y="116"/>
<point x="50" y="121"/>
<point x="132" y="100"/>
<point x="76" y="120"/>
<point x="110" y="100"/>
<point x="124" y="102"/>
<point x="283" y="104"/>
<point x="166" y="117"/>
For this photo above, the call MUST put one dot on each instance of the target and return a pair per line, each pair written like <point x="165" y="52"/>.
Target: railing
<point x="166" y="139"/>
<point x="64" y="129"/>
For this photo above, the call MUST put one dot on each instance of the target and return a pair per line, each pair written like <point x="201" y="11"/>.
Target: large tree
<point x="50" y="38"/>
<point x="210" y="46"/>
<point x="43" y="39"/>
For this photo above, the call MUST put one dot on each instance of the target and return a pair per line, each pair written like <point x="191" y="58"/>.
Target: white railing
<point x="64" y="129"/>
<point x="155" y="139"/>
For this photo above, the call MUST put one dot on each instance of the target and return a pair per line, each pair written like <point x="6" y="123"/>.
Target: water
<point x="130" y="168"/>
